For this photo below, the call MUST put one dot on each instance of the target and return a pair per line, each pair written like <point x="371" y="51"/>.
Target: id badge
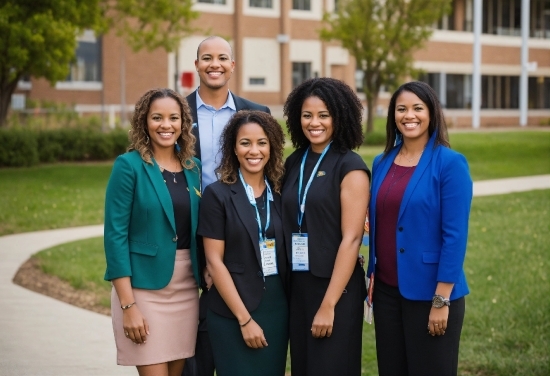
<point x="269" y="257"/>
<point x="300" y="255"/>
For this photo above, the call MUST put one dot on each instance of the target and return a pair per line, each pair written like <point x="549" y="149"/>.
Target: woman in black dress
<point x="325" y="198"/>
<point x="240" y="221"/>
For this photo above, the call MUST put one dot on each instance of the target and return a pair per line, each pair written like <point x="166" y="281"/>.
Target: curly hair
<point x="343" y="106"/>
<point x="229" y="165"/>
<point x="437" y="121"/>
<point x="139" y="133"/>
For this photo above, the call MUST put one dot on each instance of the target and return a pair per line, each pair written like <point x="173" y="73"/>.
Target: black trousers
<point x="403" y="345"/>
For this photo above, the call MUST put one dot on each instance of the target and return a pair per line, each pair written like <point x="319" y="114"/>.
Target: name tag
<point x="300" y="255"/>
<point x="269" y="257"/>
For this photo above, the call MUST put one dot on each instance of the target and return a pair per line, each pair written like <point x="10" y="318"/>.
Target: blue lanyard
<point x="250" y="194"/>
<point x="302" y="201"/>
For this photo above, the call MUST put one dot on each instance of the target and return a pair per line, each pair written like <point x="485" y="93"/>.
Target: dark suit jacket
<point x="240" y="104"/>
<point x="242" y="252"/>
<point x="140" y="229"/>
<point x="432" y="226"/>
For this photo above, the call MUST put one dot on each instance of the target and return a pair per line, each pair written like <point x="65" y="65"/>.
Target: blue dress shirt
<point x="211" y="124"/>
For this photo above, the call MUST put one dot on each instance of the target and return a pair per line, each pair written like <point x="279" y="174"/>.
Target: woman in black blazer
<point x="325" y="197"/>
<point x="240" y="221"/>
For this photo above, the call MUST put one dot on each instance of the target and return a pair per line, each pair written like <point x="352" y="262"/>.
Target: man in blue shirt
<point x="212" y="105"/>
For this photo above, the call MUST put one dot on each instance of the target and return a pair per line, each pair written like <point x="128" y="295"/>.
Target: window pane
<point x="87" y="66"/>
<point x="261" y="3"/>
<point x="300" y="73"/>
<point x="301" y="4"/>
<point x="222" y="2"/>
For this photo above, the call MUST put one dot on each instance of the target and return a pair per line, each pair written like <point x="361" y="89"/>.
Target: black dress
<point x="339" y="354"/>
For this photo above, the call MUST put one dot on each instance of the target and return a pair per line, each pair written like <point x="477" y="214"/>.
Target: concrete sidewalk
<point x="43" y="336"/>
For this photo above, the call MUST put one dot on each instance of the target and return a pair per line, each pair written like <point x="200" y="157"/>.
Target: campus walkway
<point x="43" y="336"/>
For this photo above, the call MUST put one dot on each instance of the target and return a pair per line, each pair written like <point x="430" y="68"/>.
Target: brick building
<point x="276" y="46"/>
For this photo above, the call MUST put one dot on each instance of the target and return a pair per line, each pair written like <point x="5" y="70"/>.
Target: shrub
<point x="18" y="148"/>
<point x="27" y="147"/>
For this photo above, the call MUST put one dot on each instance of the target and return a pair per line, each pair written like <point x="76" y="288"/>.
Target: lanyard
<point x="302" y="201"/>
<point x="250" y="194"/>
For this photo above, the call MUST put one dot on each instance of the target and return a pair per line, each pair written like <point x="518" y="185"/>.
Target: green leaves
<point x="152" y="24"/>
<point x="382" y="35"/>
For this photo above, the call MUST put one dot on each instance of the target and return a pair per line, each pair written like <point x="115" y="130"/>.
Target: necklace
<point x="401" y="153"/>
<point x="165" y="169"/>
<point x="394" y="182"/>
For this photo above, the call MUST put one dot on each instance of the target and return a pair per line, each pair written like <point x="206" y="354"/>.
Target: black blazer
<point x="240" y="104"/>
<point x="242" y="252"/>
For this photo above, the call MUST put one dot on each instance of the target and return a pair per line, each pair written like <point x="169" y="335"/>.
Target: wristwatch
<point x="438" y="301"/>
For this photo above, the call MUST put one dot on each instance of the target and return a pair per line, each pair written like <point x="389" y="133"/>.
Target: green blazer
<point x="140" y="230"/>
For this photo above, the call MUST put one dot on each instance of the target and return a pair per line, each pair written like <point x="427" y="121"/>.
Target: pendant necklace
<point x="173" y="173"/>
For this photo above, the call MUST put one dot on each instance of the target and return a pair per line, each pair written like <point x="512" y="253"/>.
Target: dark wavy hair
<point x="343" y="106"/>
<point x="229" y="165"/>
<point x="437" y="121"/>
<point x="139" y="133"/>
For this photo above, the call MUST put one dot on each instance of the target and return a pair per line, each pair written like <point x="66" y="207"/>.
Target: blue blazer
<point x="140" y="228"/>
<point x="432" y="225"/>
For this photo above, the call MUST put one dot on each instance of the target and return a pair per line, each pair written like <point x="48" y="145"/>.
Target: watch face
<point x="437" y="302"/>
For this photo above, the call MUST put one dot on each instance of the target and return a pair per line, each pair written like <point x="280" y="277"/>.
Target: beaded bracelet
<point x="127" y="306"/>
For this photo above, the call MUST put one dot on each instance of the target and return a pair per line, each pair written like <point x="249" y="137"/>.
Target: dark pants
<point x="403" y="345"/>
<point x="202" y="364"/>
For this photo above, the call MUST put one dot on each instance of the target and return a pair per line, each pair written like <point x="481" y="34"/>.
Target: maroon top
<point x="388" y="203"/>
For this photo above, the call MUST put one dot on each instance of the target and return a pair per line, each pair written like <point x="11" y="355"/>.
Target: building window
<point x="261" y="3"/>
<point x="301" y="4"/>
<point x="221" y="2"/>
<point x="447" y="21"/>
<point x="256" y="80"/>
<point x="87" y="67"/>
<point x="300" y="73"/>
<point x="503" y="17"/>
<point x="500" y="92"/>
<point x="539" y="92"/>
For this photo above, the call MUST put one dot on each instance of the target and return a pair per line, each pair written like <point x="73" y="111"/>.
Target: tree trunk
<point x="6" y="90"/>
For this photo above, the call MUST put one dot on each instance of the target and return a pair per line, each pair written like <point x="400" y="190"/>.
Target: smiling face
<point x="252" y="149"/>
<point x="316" y="123"/>
<point x="164" y="123"/>
<point x="214" y="63"/>
<point x="412" y="116"/>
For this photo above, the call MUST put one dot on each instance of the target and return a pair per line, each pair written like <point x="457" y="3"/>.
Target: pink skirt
<point x="172" y="314"/>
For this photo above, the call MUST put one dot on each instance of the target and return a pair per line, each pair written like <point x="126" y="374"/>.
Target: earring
<point x="177" y="147"/>
<point x="147" y="141"/>
<point x="398" y="137"/>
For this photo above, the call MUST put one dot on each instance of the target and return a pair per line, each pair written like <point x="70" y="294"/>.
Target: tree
<point x="152" y="24"/>
<point x="382" y="36"/>
<point x="39" y="37"/>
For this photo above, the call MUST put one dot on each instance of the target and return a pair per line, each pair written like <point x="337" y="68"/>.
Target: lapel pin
<point x="321" y="173"/>
<point x="197" y="192"/>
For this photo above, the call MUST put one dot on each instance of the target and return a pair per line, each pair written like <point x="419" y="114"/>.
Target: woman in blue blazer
<point x="151" y="216"/>
<point x="240" y="221"/>
<point x="419" y="212"/>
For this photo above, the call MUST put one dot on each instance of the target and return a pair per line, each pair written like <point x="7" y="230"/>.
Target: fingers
<point x="321" y="331"/>
<point x="437" y="328"/>
<point x="253" y="335"/>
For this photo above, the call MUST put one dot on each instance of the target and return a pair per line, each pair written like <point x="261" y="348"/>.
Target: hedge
<point x="27" y="147"/>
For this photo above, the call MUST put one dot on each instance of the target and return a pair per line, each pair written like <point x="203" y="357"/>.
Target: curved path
<point x="43" y="336"/>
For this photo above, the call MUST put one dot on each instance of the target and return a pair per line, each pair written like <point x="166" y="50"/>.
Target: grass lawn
<point x="52" y="196"/>
<point x="506" y="331"/>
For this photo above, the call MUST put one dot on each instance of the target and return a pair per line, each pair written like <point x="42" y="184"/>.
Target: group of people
<point x="204" y="198"/>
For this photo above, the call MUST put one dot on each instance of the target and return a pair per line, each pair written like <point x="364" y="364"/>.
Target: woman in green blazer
<point x="151" y="211"/>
